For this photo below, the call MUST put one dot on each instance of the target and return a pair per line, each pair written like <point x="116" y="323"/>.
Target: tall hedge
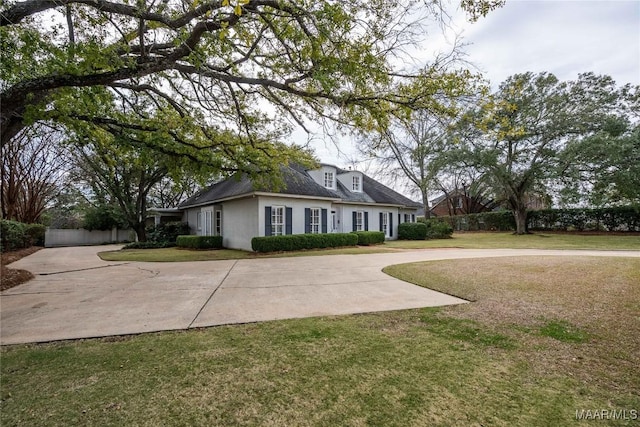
<point x="622" y="218"/>
<point x="366" y="238"/>
<point x="199" y="242"/>
<point x="412" y="231"/>
<point x="484" y="221"/>
<point x="35" y="233"/>
<point x="437" y="229"/>
<point x="167" y="232"/>
<point x="295" y="242"/>
<point x="16" y="235"/>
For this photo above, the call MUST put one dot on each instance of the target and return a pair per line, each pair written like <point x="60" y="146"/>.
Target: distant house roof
<point x="297" y="181"/>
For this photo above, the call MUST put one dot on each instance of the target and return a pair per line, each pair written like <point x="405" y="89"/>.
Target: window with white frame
<point x="407" y="217"/>
<point x="199" y="220"/>
<point x="277" y="220"/>
<point x="218" y="223"/>
<point x="328" y="180"/>
<point x="385" y="223"/>
<point x="359" y="221"/>
<point x="356" y="183"/>
<point x="207" y="223"/>
<point x="315" y="220"/>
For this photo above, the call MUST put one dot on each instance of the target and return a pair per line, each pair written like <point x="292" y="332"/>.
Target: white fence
<point x="80" y="237"/>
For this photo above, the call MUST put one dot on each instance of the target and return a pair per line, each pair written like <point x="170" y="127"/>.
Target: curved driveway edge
<point x="77" y="295"/>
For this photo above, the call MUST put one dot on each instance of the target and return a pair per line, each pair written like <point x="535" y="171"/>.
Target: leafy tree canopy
<point x="519" y="136"/>
<point x="224" y="78"/>
<point x="606" y="167"/>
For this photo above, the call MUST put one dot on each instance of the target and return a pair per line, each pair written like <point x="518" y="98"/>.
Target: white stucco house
<point x="324" y="200"/>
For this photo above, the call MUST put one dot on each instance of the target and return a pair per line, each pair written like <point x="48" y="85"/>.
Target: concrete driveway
<point x="77" y="295"/>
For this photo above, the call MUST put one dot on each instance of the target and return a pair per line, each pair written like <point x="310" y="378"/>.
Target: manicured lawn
<point x="178" y="254"/>
<point x="459" y="240"/>
<point x="546" y="337"/>
<point x="489" y="240"/>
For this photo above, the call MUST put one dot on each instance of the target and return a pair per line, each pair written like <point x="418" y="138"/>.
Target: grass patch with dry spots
<point x="460" y="240"/>
<point x="499" y="240"/>
<point x="575" y="316"/>
<point x="186" y="255"/>
<point x="485" y="363"/>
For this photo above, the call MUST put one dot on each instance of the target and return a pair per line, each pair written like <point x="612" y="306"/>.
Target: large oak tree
<point x="518" y="137"/>
<point x="234" y="74"/>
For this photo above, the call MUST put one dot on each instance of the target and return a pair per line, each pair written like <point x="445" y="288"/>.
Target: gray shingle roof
<point x="298" y="182"/>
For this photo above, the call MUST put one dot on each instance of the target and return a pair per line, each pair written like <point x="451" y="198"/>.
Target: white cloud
<point x="562" y="37"/>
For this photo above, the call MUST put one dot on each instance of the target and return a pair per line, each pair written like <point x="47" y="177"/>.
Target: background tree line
<point x="575" y="141"/>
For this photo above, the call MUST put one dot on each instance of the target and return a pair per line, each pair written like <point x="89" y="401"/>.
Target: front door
<point x="386" y="224"/>
<point x="207" y="224"/>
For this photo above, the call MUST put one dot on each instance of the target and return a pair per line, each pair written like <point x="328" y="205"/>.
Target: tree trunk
<point x="425" y="204"/>
<point x="141" y="231"/>
<point x="520" y="215"/>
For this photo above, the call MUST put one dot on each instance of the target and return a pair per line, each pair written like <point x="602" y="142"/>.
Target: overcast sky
<point x="564" y="37"/>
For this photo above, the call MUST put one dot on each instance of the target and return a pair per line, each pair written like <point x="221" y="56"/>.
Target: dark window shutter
<point x="390" y="225"/>
<point x="288" y="219"/>
<point x="366" y="221"/>
<point x="323" y="218"/>
<point x="413" y="217"/>
<point x="307" y="220"/>
<point x="380" y="221"/>
<point x="267" y="221"/>
<point x="399" y="219"/>
<point x="353" y="223"/>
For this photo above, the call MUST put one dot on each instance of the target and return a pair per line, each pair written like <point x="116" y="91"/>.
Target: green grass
<point x="388" y="370"/>
<point x="562" y="330"/>
<point x="485" y="363"/>
<point x="172" y="255"/>
<point x="180" y="254"/>
<point x="459" y="240"/>
<point x="529" y="241"/>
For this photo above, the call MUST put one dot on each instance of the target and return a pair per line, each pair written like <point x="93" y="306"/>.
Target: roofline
<point x="347" y="202"/>
<point x="259" y="193"/>
<point x="164" y="210"/>
<point x="297" y="196"/>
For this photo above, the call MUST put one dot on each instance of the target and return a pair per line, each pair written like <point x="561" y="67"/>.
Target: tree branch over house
<point x="244" y="68"/>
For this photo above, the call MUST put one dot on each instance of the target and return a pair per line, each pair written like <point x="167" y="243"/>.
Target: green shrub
<point x="148" y="245"/>
<point x="437" y="229"/>
<point x="13" y="235"/>
<point x="620" y="218"/>
<point x="295" y="242"/>
<point x="366" y="238"/>
<point x="496" y="221"/>
<point x="199" y="242"/>
<point x="35" y="233"/>
<point x="484" y="221"/>
<point x="17" y="235"/>
<point x="412" y="231"/>
<point x="167" y="232"/>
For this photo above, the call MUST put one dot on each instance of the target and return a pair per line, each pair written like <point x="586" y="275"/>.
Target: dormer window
<point x="328" y="180"/>
<point x="356" y="184"/>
